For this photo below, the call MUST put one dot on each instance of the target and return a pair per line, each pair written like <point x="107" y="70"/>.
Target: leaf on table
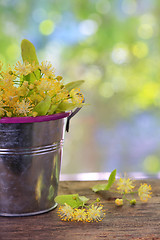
<point x="73" y="200"/>
<point x="107" y="186"/>
<point x="111" y="179"/>
<point x="84" y="199"/>
<point x="99" y="187"/>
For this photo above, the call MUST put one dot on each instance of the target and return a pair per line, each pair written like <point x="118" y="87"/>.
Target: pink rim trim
<point x="34" y="119"/>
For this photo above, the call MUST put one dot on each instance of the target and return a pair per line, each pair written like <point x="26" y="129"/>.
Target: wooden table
<point x="141" y="221"/>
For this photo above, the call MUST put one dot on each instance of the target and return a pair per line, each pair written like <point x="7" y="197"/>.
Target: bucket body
<point x="30" y="160"/>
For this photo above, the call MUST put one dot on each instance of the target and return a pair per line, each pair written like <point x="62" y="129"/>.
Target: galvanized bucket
<point x="30" y="158"/>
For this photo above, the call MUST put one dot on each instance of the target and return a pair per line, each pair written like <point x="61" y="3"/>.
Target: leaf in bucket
<point x="107" y="186"/>
<point x="28" y="53"/>
<point x="42" y="107"/>
<point x="73" y="200"/>
<point x="52" y="109"/>
<point x="75" y="84"/>
<point x="65" y="105"/>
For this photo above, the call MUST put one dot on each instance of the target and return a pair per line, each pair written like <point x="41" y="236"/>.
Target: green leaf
<point x="75" y="84"/>
<point x="102" y="187"/>
<point x="73" y="200"/>
<point x="99" y="187"/>
<point x="28" y="53"/>
<point x="52" y="109"/>
<point x="42" y="107"/>
<point x="84" y="199"/>
<point x="65" y="106"/>
<point x="111" y="179"/>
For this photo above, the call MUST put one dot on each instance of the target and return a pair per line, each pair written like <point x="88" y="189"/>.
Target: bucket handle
<point x="72" y="115"/>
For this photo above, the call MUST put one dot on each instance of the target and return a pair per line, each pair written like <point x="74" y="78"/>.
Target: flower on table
<point x="66" y="212"/>
<point x="133" y="201"/>
<point x="144" y="192"/>
<point x="125" y="185"/>
<point x="95" y="213"/>
<point x="82" y="214"/>
<point x="119" y="202"/>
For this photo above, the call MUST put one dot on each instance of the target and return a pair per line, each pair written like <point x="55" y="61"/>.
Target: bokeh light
<point x="151" y="164"/>
<point x="88" y="27"/>
<point x="46" y="27"/>
<point x="140" y="49"/>
<point x="120" y="55"/>
<point x="145" y="31"/>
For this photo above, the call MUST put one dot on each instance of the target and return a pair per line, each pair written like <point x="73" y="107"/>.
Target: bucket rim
<point x="34" y="119"/>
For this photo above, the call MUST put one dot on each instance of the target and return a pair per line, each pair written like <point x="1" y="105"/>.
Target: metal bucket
<point x="30" y="159"/>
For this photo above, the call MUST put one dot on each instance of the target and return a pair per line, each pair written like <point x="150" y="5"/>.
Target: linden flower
<point x="2" y="110"/>
<point x="10" y="97"/>
<point x="45" y="85"/>
<point x="95" y="213"/>
<point x="133" y="201"/>
<point x="23" y="107"/>
<point x="76" y="96"/>
<point x="124" y="185"/>
<point x="23" y="68"/>
<point x="47" y="69"/>
<point x="25" y="85"/>
<point x="144" y="192"/>
<point x="35" y="98"/>
<point x="33" y="67"/>
<point x="8" y="75"/>
<point x="80" y="215"/>
<point x="60" y="95"/>
<point x="119" y="202"/>
<point x="66" y="212"/>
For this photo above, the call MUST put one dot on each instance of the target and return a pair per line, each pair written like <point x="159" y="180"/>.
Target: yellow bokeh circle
<point x="46" y="27"/>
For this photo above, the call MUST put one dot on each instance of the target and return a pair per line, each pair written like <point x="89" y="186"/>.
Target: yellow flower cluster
<point x="32" y="90"/>
<point x="144" y="192"/>
<point x="93" y="213"/>
<point x="119" y="202"/>
<point x="124" y="186"/>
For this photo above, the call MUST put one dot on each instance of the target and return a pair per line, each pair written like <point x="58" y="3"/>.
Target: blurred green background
<point x="114" y="45"/>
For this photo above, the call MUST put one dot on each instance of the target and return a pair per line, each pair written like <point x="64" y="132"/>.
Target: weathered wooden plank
<point x="139" y="222"/>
